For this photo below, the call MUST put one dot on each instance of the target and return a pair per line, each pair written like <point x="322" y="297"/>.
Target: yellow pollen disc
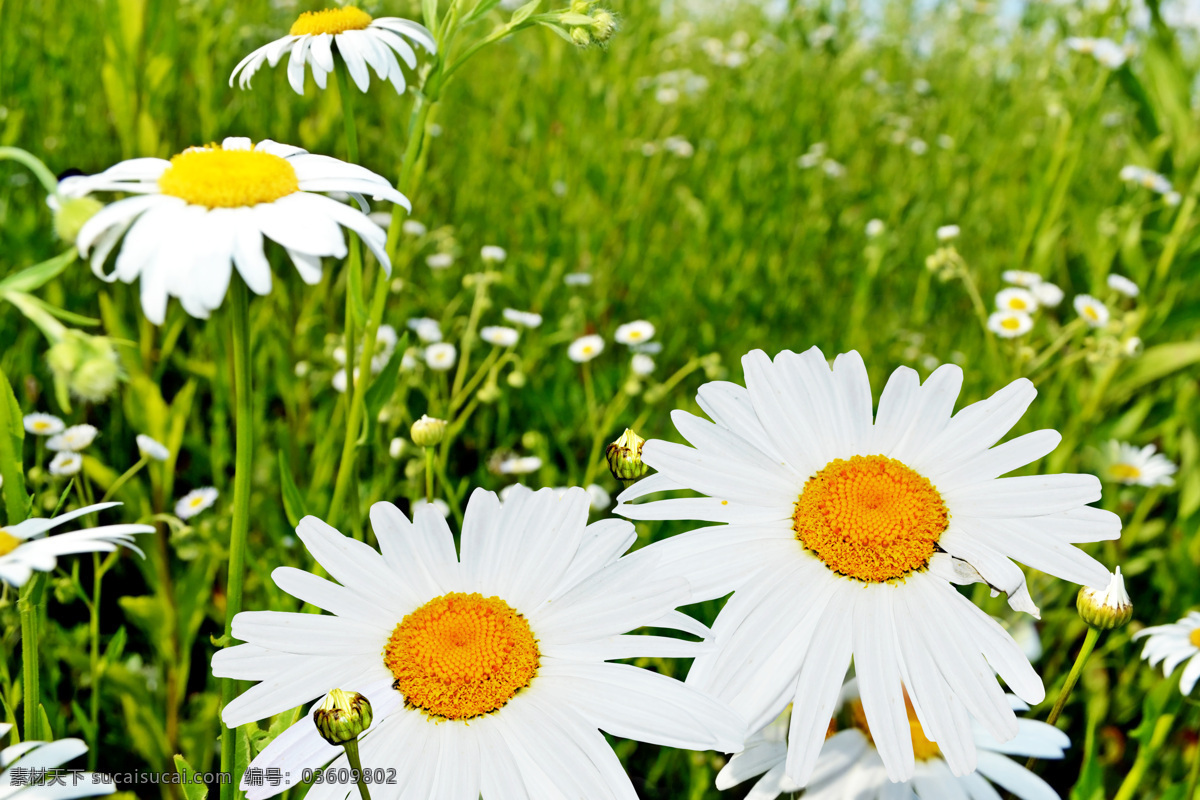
<point x="870" y="518"/>
<point x="1194" y="637"/>
<point x="219" y="178"/>
<point x="8" y="542"/>
<point x="41" y="425"/>
<point x="461" y="655"/>
<point x="923" y="748"/>
<point x="1017" y="304"/>
<point x="331" y="20"/>
<point x="1090" y="313"/>
<point x="1125" y="472"/>
<point x="1010" y="323"/>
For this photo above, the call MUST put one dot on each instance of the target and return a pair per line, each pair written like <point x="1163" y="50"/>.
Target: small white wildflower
<point x="875" y="228"/>
<point x="578" y="279"/>
<point x="1015" y="298"/>
<point x="1125" y="463"/>
<point x="339" y="382"/>
<point x="302" y="369"/>
<point x="43" y="424"/>
<point x="1019" y="277"/>
<point x="438" y="504"/>
<point x="74" y="438"/>
<point x="413" y="228"/>
<point x="1131" y="347"/>
<point x="493" y="254"/>
<point x="634" y="332"/>
<point x="601" y="499"/>
<point x="1122" y="285"/>
<point x="1172" y="198"/>
<point x="396" y="447"/>
<point x="1010" y="324"/>
<point x="441" y="356"/>
<point x="152" y="448"/>
<point x="195" y="501"/>
<point x="667" y="95"/>
<point x="1048" y="294"/>
<point x="428" y="330"/>
<point x="525" y="319"/>
<point x="65" y="463"/>
<point x="499" y="335"/>
<point x="585" y="348"/>
<point x="945" y="141"/>
<point x="947" y="232"/>
<point x="439" y="260"/>
<point x="1094" y="313"/>
<point x="918" y="147"/>
<point x="519" y="465"/>
<point x="641" y="364"/>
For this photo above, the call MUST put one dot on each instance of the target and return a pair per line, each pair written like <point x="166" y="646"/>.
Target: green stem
<point x="43" y="173"/>
<point x="1133" y="779"/>
<point x="27" y="606"/>
<point x="94" y="659"/>
<point x="121" y="481"/>
<point x="244" y="464"/>
<point x="1089" y="643"/>
<point x="356" y="767"/>
<point x="428" y="474"/>
<point x="1193" y="774"/>
<point x="468" y="338"/>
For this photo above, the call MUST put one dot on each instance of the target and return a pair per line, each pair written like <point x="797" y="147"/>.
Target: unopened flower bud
<point x="1108" y="608"/>
<point x="604" y="25"/>
<point x="72" y="214"/>
<point x="428" y="431"/>
<point x="581" y="37"/>
<point x="342" y="717"/>
<point x="86" y="366"/>
<point x="625" y="457"/>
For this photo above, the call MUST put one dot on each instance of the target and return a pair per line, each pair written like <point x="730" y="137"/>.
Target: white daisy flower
<point x="1122" y="285"/>
<point x="152" y="449"/>
<point x="865" y="524"/>
<point x="195" y="501"/>
<point x="1146" y="178"/>
<point x="438" y="505"/>
<point x="428" y="330"/>
<point x="578" y="279"/>
<point x="875" y="228"/>
<point x="585" y="348"/>
<point x="340" y="383"/>
<point x="519" y="465"/>
<point x="947" y="232"/>
<point x="1019" y="277"/>
<point x="493" y="254"/>
<point x="1016" y="299"/>
<point x="1009" y="324"/>
<point x="600" y="498"/>
<point x="1173" y="645"/>
<point x="41" y="765"/>
<point x="634" y="332"/>
<point x="850" y="765"/>
<point x="1172" y="198"/>
<point x="23" y="548"/>
<point x="526" y="319"/>
<point x="360" y="41"/>
<point x="66" y="463"/>
<point x="76" y="437"/>
<point x="192" y="219"/>
<point x="1094" y="313"/>
<point x="1126" y="463"/>
<point x="412" y="227"/>
<point x="1132" y="347"/>
<point x="397" y="447"/>
<point x="488" y="672"/>
<point x="499" y="335"/>
<point x="439" y="260"/>
<point x="441" y="356"/>
<point x="641" y="364"/>
<point x="43" y="424"/>
<point x="1047" y="294"/>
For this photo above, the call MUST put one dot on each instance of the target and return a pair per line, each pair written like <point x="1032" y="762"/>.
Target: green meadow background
<point x="557" y="154"/>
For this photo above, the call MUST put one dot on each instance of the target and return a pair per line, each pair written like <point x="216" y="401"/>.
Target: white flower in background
<point x="42" y="765"/>
<point x="666" y="95"/>
<point x="1173" y="645"/>
<point x="439" y="506"/>
<point x="195" y="501"/>
<point x="1019" y="277"/>
<point x="24" y="548"/>
<point x="1126" y="463"/>
<point x="948" y="232"/>
<point x="66" y="463"/>
<point x="339" y="382"/>
<point x="413" y="228"/>
<point x="439" y="260"/>
<point x="1024" y="632"/>
<point x="600" y="498"/>
<point x="360" y="41"/>
<point x="441" y="356"/>
<point x="865" y="521"/>
<point x="151" y="448"/>
<point x="875" y="228"/>
<point x="493" y="254"/>
<point x="918" y="147"/>
<point x="649" y="348"/>
<point x="634" y="332"/>
<point x="680" y="146"/>
<point x="1172" y="198"/>
<point x="1147" y="178"/>
<point x="1131" y="347"/>
<point x="302" y="369"/>
<point x="850" y="766"/>
<point x="411" y="358"/>
<point x="1122" y="285"/>
<point x="43" y="424"/>
<point x="809" y="160"/>
<point x="499" y="335"/>
<point x="428" y="330"/>
<point x="519" y="465"/>
<point x="76" y="438"/>
<point x="1107" y="53"/>
<point x="1009" y="324"/>
<point x="578" y="279"/>
<point x="397" y="447"/>
<point x="487" y="674"/>
<point x="945" y="141"/>
<point x="525" y="319"/>
<point x="385" y="346"/>
<point x="1094" y="313"/>
<point x="585" y="348"/>
<point x="192" y="219"/>
<point x="1016" y="299"/>
<point x="833" y="169"/>
<point x="1047" y="294"/>
<point x="641" y="364"/>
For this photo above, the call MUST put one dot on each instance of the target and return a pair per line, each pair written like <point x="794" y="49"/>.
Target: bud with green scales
<point x="1107" y="608"/>
<point x="428" y="431"/>
<point x="342" y="717"/>
<point x="625" y="457"/>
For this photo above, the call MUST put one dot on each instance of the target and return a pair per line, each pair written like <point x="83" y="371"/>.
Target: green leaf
<point x="429" y="13"/>
<point x="379" y="392"/>
<point x="562" y="33"/>
<point x="482" y="8"/>
<point x="12" y="441"/>
<point x="45" y="732"/>
<point x="192" y="790"/>
<point x="293" y="501"/>
<point x="146" y="612"/>
<point x="38" y="275"/>
<point x="525" y="12"/>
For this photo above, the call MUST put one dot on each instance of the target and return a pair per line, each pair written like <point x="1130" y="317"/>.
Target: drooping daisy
<point x="360" y="41"/>
<point x="75" y="438"/>
<point x="585" y="348"/>
<point x="43" y="424"/>
<point x="23" y="548"/>
<point x="192" y="219"/>
<point x="1015" y="298"/>
<point x="32" y="770"/>
<point x="499" y="335"/>
<point x="1009" y="324"/>
<point x="195" y="501"/>
<point x="488" y="672"/>
<point x="845" y="537"/>
<point x="1122" y="285"/>
<point x="493" y="254"/>
<point x="66" y="463"/>
<point x="1047" y="294"/>
<point x="441" y="356"/>
<point x="850" y="766"/>
<point x="634" y="332"/>
<point x="1094" y="313"/>
<point x="1173" y="645"/>
<point x="1020" y="277"/>
<point x="948" y="232"/>
<point x="526" y="319"/>
<point x="152" y="449"/>
<point x="1125" y="463"/>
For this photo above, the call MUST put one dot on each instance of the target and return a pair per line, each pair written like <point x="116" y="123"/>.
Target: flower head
<point x="1009" y="324"/>
<point x="43" y="424"/>
<point x="1019" y="277"/>
<point x="1175" y="644"/>
<point x="195" y="501"/>
<point x="441" y="356"/>
<point x="948" y="232"/>
<point x="1094" y="313"/>
<point x="152" y="448"/>
<point x="1016" y="299"/>
<point x="585" y="348"/>
<point x="526" y="319"/>
<point x="634" y="332"/>
<point x="76" y="438"/>
<point x="86" y="366"/>
<point x="426" y="328"/>
<point x="499" y="335"/>
<point x="439" y="260"/>
<point x="1126" y="463"/>
<point x="66" y="463"/>
<point x="1105" y="608"/>
<point x="1047" y="294"/>
<point x="24" y="547"/>
<point x="1122" y="285"/>
<point x="493" y="254"/>
<point x="641" y="364"/>
<point x="342" y="716"/>
<point x="428" y="431"/>
<point x="875" y="228"/>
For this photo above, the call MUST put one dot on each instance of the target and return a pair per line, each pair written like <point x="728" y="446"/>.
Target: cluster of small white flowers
<point x="672" y="85"/>
<point x="385" y="347"/>
<point x="1016" y="305"/>
<point x="732" y="55"/>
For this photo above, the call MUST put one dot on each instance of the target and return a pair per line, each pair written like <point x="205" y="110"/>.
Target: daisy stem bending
<point x="1089" y="644"/>
<point x="356" y="767"/>
<point x="121" y="481"/>
<point x="1146" y="754"/>
<point x="244" y="463"/>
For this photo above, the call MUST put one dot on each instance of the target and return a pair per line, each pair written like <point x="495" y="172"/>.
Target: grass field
<point x="740" y="181"/>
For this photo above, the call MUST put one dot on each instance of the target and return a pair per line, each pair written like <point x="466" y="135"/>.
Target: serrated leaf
<point x="293" y="502"/>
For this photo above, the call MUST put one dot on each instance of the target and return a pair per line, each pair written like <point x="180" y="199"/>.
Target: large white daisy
<point x="360" y="41"/>
<point x="1175" y="644"/>
<point x="24" y="548"/>
<point x="845" y="533"/>
<point x="28" y="769"/>
<point x="488" y="672"/>
<point x="850" y="766"/>
<point x="195" y="217"/>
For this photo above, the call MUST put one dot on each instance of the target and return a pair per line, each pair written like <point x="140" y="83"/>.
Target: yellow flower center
<point x="1017" y="304"/>
<point x="197" y="501"/>
<point x="218" y="178"/>
<point x="461" y="655"/>
<point x="8" y="542"/>
<point x="41" y="425"/>
<point x="331" y="20"/>
<point x="1125" y="472"/>
<point x="1091" y="313"/>
<point x="1194" y="637"/>
<point x="1010" y="323"/>
<point x="870" y="518"/>
<point x="923" y="748"/>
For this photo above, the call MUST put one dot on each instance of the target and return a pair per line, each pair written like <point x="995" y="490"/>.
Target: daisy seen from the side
<point x="488" y="672"/>
<point x="845" y="534"/>
<point x="196" y="501"/>
<point x="1175" y="644"/>
<point x="1009" y="324"/>
<point x="191" y="220"/>
<point x="1125" y="463"/>
<point x="25" y="547"/>
<point x="1091" y="310"/>
<point x="43" y="424"/>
